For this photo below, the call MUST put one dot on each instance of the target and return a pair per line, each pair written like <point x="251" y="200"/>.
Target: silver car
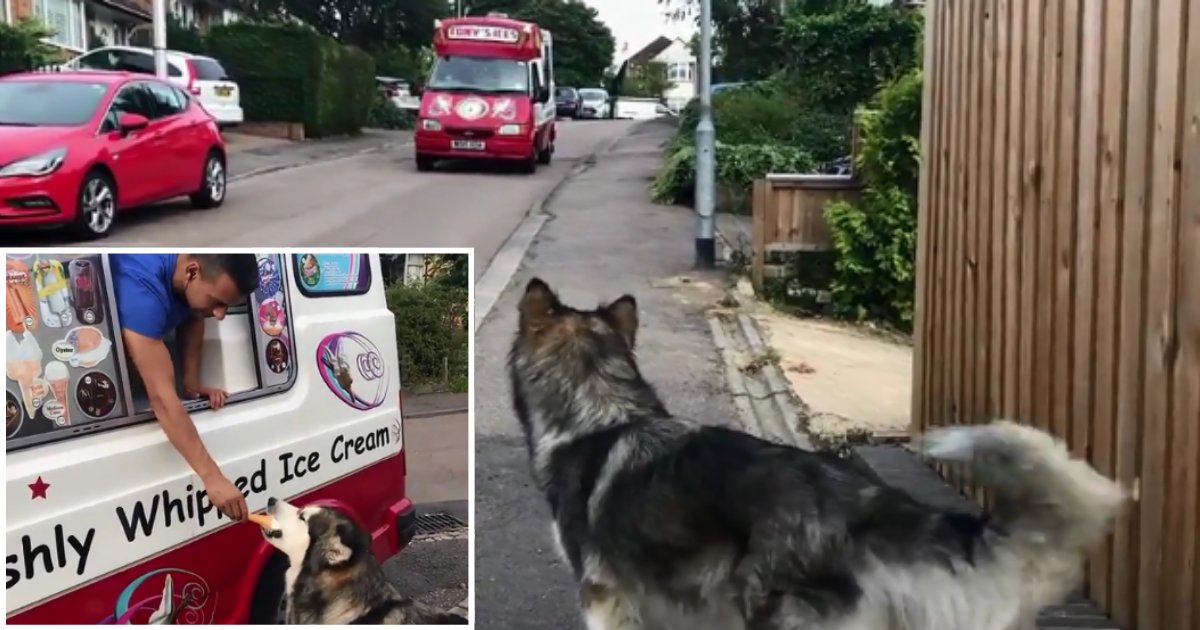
<point x="593" y="103"/>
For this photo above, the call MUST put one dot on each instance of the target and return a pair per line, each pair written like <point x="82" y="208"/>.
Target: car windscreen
<point x="479" y="74"/>
<point x="33" y="103"/>
<point x="593" y="95"/>
<point x="566" y="92"/>
<point x="209" y="69"/>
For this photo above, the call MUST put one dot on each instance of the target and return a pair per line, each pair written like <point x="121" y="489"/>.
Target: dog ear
<point x="336" y="551"/>
<point x="622" y="313"/>
<point x="537" y="305"/>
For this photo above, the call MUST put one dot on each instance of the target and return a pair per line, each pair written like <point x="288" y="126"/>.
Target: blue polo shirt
<point x="146" y="302"/>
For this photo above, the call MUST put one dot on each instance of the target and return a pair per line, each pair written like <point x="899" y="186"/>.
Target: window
<point x="166" y="100"/>
<point x="484" y="74"/>
<point x="67" y="373"/>
<point x="319" y="275"/>
<point x="132" y="99"/>
<point x="680" y="71"/>
<point x="209" y="69"/>
<point x="49" y="103"/>
<point x="65" y="18"/>
<point x="126" y="60"/>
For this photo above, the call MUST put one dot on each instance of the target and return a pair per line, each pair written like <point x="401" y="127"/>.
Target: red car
<point x="78" y="147"/>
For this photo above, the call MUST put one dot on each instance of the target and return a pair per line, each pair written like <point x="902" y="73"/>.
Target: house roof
<point x="650" y="51"/>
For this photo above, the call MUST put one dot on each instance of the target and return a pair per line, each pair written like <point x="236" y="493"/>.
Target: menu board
<point x="60" y="355"/>
<point x="269" y="306"/>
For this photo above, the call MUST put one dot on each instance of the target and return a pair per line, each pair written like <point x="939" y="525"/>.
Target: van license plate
<point x="470" y="145"/>
<point x="223" y="91"/>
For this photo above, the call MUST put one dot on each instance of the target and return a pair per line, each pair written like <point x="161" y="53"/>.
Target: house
<point x="676" y="55"/>
<point x="83" y="24"/>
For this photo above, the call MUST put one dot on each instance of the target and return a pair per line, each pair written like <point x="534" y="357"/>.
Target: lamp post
<point x="706" y="251"/>
<point x="160" y="38"/>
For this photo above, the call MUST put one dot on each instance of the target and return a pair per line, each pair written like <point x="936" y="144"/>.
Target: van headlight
<point x="429" y="124"/>
<point x="36" y="165"/>
<point x="510" y="130"/>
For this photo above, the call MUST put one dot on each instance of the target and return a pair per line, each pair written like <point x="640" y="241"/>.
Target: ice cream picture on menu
<point x="58" y="345"/>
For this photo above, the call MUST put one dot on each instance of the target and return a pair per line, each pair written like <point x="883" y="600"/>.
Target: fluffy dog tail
<point x="1042" y="494"/>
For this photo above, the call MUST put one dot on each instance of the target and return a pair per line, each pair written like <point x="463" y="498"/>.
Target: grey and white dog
<point x="669" y="524"/>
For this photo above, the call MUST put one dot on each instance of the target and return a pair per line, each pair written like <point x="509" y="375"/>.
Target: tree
<point x="22" y="46"/>
<point x="369" y="24"/>
<point x="583" y="45"/>
<point x="647" y="80"/>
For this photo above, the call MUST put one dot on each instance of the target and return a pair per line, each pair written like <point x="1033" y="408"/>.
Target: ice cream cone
<point x="56" y="376"/>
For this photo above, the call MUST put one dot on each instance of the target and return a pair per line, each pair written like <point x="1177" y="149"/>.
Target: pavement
<point x="434" y="567"/>
<point x="362" y="191"/>
<point x="435" y="403"/>
<point x="602" y="238"/>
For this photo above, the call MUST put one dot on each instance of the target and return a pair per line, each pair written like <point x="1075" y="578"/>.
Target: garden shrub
<point x="737" y="166"/>
<point x="430" y="333"/>
<point x="22" y="47"/>
<point x="385" y="115"/>
<point x="874" y="276"/>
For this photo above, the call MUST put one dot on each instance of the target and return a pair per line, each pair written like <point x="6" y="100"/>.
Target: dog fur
<point x="669" y="524"/>
<point x="332" y="577"/>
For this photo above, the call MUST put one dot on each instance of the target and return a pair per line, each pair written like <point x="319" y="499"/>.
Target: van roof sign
<point x="480" y="33"/>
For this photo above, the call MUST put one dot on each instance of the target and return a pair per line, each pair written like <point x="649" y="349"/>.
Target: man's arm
<point x="154" y="364"/>
<point x="192" y="347"/>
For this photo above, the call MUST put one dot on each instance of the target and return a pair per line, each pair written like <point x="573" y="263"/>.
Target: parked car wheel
<point x="424" y="163"/>
<point x="97" y="211"/>
<point x="213" y="183"/>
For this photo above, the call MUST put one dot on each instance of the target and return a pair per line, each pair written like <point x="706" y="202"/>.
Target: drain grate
<point x="434" y="522"/>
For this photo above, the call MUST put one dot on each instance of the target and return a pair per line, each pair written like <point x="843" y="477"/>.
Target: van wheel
<point x="97" y="206"/>
<point x="546" y="154"/>
<point x="213" y="183"/>
<point x="268" y="605"/>
<point x="529" y="164"/>
<point x="424" y="163"/>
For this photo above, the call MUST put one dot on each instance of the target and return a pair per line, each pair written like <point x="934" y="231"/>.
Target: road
<point x="376" y="199"/>
<point x="434" y="567"/>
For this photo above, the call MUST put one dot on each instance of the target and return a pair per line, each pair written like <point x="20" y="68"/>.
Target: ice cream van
<point x="488" y="94"/>
<point x="107" y="524"/>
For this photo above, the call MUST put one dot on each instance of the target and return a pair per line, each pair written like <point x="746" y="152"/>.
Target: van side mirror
<point x="543" y="95"/>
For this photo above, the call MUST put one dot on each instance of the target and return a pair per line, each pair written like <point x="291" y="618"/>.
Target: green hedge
<point x="874" y="277"/>
<point x="289" y="73"/>
<point x="737" y="166"/>
<point x="770" y="113"/>
<point x="430" y="333"/>
<point x="385" y="115"/>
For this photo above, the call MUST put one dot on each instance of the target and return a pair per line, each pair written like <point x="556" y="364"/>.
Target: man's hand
<point x="226" y="497"/>
<point x="216" y="397"/>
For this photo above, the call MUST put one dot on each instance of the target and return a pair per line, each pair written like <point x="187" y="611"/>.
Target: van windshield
<point x="480" y="74"/>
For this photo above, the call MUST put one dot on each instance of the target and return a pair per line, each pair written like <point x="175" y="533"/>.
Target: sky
<point x="637" y="22"/>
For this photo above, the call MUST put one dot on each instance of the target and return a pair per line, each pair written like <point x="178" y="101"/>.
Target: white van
<point x="105" y="520"/>
<point x="203" y="77"/>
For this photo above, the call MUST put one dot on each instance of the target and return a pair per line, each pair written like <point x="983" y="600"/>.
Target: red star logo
<point x="39" y="488"/>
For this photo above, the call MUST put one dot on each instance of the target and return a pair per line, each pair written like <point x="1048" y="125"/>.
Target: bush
<point x="22" y="48"/>
<point x="874" y="277"/>
<point x="290" y="73"/>
<point x="185" y="37"/>
<point x="385" y="115"/>
<point x="737" y="166"/>
<point x="430" y="334"/>
<point x="768" y="113"/>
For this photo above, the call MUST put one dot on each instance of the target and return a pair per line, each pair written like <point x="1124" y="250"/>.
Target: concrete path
<point x="603" y="238"/>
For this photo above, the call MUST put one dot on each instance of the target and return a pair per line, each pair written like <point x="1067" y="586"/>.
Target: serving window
<point x="332" y="275"/>
<point x="66" y="369"/>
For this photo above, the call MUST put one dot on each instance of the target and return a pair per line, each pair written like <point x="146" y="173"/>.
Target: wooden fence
<point x="789" y="215"/>
<point x="1059" y="258"/>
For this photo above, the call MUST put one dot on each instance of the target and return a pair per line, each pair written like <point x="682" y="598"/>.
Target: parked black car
<point x="566" y="102"/>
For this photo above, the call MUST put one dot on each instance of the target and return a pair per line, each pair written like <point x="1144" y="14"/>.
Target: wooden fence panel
<point x="1058" y="258"/>
<point x="789" y="215"/>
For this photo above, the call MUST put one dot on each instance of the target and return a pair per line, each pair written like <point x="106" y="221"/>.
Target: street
<point x="433" y="568"/>
<point x="605" y="239"/>
<point x="375" y="199"/>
